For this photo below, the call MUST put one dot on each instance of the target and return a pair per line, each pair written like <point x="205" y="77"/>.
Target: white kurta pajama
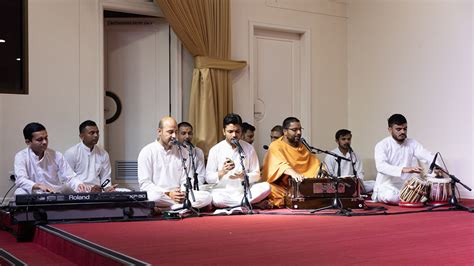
<point x="229" y="192"/>
<point x="198" y="156"/>
<point x="346" y="168"/>
<point x="52" y="170"/>
<point x="161" y="171"/>
<point x="390" y="159"/>
<point x="91" y="167"/>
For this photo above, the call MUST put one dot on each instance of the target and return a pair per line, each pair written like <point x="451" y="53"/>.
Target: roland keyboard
<point x="51" y="198"/>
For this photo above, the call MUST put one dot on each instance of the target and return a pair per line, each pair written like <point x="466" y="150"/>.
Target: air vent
<point x="126" y="170"/>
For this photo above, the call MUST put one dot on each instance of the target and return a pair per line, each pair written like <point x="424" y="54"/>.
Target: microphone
<point x="236" y="143"/>
<point x="350" y="148"/>
<point x="177" y="143"/>
<point x="306" y="144"/>
<point x="433" y="163"/>
<point x="188" y="143"/>
<point x="265" y="147"/>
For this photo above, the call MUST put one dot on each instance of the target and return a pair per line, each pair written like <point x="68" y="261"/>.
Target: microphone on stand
<point x="306" y="144"/>
<point x="236" y="143"/>
<point x="265" y="147"/>
<point x="177" y="143"/>
<point x="189" y="144"/>
<point x="433" y="163"/>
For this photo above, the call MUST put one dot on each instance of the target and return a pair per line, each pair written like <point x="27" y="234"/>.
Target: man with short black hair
<point x="225" y="170"/>
<point x="276" y="132"/>
<point x="185" y="136"/>
<point x="395" y="160"/>
<point x="287" y="157"/>
<point x="39" y="169"/>
<point x="353" y="167"/>
<point x="248" y="132"/>
<point x="90" y="162"/>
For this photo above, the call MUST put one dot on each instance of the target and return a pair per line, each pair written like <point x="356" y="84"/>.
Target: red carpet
<point x="421" y="238"/>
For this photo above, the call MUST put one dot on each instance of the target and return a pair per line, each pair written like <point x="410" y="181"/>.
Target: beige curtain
<point x="203" y="28"/>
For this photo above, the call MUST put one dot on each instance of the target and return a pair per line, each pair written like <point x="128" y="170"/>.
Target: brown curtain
<point x="203" y="28"/>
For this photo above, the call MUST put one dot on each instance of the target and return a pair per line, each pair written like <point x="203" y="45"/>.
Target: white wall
<point x="414" y="58"/>
<point x="63" y="78"/>
<point x="326" y="22"/>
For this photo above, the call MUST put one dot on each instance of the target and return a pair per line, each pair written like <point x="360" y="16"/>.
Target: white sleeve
<point x="359" y="168"/>
<point x="330" y="163"/>
<point x="23" y="180"/>
<point x="70" y="158"/>
<point x="145" y="172"/>
<point x="200" y="167"/>
<point x="382" y="164"/>
<point x="106" y="171"/>
<point x="212" y="169"/>
<point x="65" y="172"/>
<point x="421" y="153"/>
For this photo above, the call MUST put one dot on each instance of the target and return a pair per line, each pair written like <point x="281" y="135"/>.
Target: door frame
<point x="305" y="67"/>
<point x="149" y="9"/>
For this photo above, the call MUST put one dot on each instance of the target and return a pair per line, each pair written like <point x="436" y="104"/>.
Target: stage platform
<point x="394" y="236"/>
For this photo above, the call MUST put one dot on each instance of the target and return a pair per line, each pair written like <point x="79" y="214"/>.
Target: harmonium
<point x="313" y="193"/>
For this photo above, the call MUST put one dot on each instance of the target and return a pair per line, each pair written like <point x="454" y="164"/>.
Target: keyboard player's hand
<point x="84" y="188"/>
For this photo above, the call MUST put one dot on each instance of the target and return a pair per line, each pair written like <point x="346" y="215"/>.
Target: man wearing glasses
<point x="287" y="157"/>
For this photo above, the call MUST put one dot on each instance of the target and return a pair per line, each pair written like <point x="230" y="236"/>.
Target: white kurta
<point x="198" y="156"/>
<point x="161" y="171"/>
<point x="346" y="166"/>
<point x="229" y="192"/>
<point x="91" y="167"/>
<point x="51" y="170"/>
<point x="390" y="159"/>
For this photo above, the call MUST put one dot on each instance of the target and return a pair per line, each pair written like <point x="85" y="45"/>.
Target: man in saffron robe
<point x="287" y="157"/>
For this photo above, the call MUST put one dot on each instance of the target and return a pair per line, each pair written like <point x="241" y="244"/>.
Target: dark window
<point x="13" y="46"/>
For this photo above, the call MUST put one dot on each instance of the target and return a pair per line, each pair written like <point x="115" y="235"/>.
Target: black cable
<point x="4" y="197"/>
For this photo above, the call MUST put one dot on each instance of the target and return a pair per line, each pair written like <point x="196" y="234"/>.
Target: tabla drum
<point x="414" y="192"/>
<point x="440" y="190"/>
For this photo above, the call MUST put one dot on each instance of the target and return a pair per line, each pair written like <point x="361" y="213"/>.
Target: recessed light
<point x="2" y="40"/>
<point x="18" y="59"/>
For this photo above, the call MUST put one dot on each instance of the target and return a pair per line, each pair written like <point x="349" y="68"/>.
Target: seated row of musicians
<point x="84" y="167"/>
<point x="161" y="173"/>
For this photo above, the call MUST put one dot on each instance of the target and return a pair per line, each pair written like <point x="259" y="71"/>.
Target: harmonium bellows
<point x="312" y="193"/>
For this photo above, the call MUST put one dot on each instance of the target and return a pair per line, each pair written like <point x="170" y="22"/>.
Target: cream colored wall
<point x="326" y="22"/>
<point x="414" y="58"/>
<point x="63" y="78"/>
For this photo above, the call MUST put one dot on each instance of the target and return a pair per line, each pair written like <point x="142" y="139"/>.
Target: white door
<point x="137" y="72"/>
<point x="277" y="81"/>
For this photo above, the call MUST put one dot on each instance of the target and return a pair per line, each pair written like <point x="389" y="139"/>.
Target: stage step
<point x="27" y="253"/>
<point x="79" y="250"/>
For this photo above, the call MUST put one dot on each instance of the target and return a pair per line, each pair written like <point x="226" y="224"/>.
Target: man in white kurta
<point x="224" y="168"/>
<point x="161" y="173"/>
<point x="396" y="161"/>
<point x="90" y="162"/>
<point x="185" y="136"/>
<point x="39" y="169"/>
<point x="348" y="168"/>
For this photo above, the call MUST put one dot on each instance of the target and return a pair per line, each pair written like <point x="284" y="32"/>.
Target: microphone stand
<point x="354" y="171"/>
<point x="245" y="183"/>
<point x="336" y="201"/>
<point x="195" y="175"/>
<point x="187" y="202"/>
<point x="453" y="201"/>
